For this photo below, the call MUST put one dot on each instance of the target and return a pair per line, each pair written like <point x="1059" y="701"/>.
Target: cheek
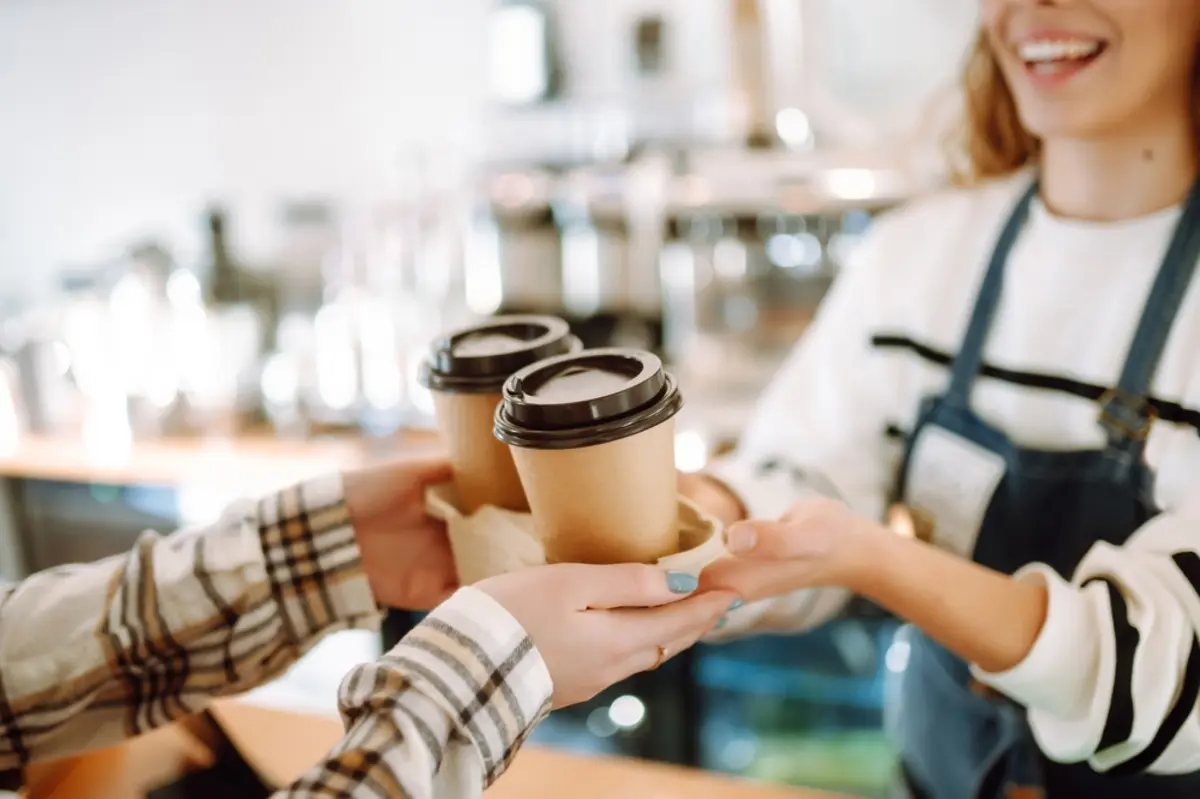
<point x="989" y="8"/>
<point x="1158" y="38"/>
<point x="1159" y="67"/>
<point x="990" y="17"/>
<point x="1171" y="18"/>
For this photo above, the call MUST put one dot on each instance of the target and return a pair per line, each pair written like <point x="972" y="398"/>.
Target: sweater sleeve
<point x="1114" y="676"/>
<point x="820" y="427"/>
<point x="442" y="715"/>
<point x="94" y="653"/>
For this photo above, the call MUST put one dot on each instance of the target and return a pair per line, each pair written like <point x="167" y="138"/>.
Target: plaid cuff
<point x="474" y="660"/>
<point x="313" y="562"/>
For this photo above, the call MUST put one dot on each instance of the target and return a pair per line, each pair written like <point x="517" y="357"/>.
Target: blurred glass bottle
<point x="223" y="276"/>
<point x="242" y="312"/>
<point x="144" y="367"/>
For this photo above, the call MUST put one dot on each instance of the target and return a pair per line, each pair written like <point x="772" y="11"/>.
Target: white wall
<point x="123" y="117"/>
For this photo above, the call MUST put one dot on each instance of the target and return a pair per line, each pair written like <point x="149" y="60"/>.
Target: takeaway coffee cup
<point x="593" y="437"/>
<point x="465" y="373"/>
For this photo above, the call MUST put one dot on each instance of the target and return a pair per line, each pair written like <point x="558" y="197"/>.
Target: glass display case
<point x="655" y="716"/>
<point x="803" y="710"/>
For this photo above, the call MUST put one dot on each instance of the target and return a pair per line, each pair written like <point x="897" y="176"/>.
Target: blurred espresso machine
<point x="580" y="243"/>
<point x="655" y="204"/>
<point x="715" y="261"/>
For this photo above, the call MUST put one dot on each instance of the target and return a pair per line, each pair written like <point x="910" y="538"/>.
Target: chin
<point x="1059" y="122"/>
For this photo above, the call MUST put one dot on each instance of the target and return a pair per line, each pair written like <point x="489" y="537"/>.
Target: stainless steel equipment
<point x="513" y="256"/>
<point x="611" y="222"/>
<point x="751" y="72"/>
<point x="309" y="241"/>
<point x="747" y="263"/>
<point x="740" y="287"/>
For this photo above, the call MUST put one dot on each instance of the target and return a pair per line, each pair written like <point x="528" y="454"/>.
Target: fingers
<point x="802" y="532"/>
<point x="676" y="625"/>
<point x="424" y="601"/>
<point x="412" y="474"/>
<point x="764" y="540"/>
<point x="654" y="657"/>
<point x="429" y="469"/>
<point x="750" y="579"/>
<point x="629" y="585"/>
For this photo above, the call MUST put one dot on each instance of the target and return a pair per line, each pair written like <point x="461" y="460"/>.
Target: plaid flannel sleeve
<point x="94" y="653"/>
<point x="441" y="715"/>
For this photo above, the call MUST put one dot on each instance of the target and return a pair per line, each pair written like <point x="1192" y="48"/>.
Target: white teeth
<point x="1062" y="50"/>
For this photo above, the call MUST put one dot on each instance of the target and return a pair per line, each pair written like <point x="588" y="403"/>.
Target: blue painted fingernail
<point x="737" y="603"/>
<point x="724" y="620"/>
<point x="682" y="582"/>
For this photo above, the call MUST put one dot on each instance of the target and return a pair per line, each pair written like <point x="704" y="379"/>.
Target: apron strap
<point x="970" y="354"/>
<point x="1125" y="411"/>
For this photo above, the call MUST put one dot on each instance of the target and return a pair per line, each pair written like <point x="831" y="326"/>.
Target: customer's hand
<point x="405" y="553"/>
<point x="596" y="625"/>
<point x="818" y="542"/>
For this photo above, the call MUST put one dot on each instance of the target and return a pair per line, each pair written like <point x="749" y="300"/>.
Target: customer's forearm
<point x="93" y="653"/>
<point x="985" y="617"/>
<point x="442" y="714"/>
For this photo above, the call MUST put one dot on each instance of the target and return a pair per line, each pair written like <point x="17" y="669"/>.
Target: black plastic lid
<point x="478" y="359"/>
<point x="586" y="398"/>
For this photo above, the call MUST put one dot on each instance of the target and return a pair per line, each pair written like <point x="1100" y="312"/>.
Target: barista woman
<point x="1031" y="340"/>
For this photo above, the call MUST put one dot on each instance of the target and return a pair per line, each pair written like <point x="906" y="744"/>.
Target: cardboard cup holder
<point x="494" y="541"/>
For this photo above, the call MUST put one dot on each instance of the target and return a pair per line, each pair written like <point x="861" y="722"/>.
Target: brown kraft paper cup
<point x="593" y="438"/>
<point x="465" y="373"/>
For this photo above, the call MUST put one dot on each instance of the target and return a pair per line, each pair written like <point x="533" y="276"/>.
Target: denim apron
<point x="956" y="740"/>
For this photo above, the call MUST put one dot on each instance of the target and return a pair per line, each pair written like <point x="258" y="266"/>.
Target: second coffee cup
<point x="593" y="437"/>
<point x="465" y="373"/>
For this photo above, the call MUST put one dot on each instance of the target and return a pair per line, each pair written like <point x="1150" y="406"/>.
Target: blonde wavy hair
<point x="991" y="142"/>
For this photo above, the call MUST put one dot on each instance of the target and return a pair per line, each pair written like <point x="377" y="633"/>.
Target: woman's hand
<point x="818" y="542"/>
<point x="596" y="625"/>
<point x="993" y="620"/>
<point x="405" y="553"/>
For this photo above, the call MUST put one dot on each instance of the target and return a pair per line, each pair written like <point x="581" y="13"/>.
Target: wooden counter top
<point x="258" y="460"/>
<point x="282" y="745"/>
<point x="546" y="774"/>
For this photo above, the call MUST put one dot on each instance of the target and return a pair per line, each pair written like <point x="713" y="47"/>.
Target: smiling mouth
<point x="1059" y="56"/>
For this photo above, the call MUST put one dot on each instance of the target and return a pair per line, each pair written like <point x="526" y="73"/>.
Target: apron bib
<point x="956" y="740"/>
